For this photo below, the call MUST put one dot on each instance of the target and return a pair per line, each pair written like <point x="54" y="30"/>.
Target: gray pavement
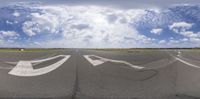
<point x="77" y="78"/>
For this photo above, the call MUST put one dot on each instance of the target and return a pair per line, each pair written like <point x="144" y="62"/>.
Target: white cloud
<point x="181" y="25"/>
<point x="182" y="28"/>
<point x="8" y="33"/>
<point x="197" y="40"/>
<point x="8" y="22"/>
<point x="16" y="14"/>
<point x="87" y="26"/>
<point x="41" y="23"/>
<point x="178" y="27"/>
<point x="156" y="31"/>
<point x="36" y="43"/>
<point x="190" y="34"/>
<point x="162" y="41"/>
<point x="8" y="37"/>
<point x="184" y="39"/>
<point x="96" y="26"/>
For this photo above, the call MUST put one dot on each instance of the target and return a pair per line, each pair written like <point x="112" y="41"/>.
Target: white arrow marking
<point x="24" y="68"/>
<point x="102" y="60"/>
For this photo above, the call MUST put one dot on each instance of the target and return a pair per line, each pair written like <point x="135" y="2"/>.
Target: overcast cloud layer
<point x="111" y="3"/>
<point x="97" y="26"/>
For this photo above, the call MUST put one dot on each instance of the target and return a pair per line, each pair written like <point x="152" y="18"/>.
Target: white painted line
<point x="24" y="68"/>
<point x="42" y="60"/>
<point x="187" y="63"/>
<point x="94" y="62"/>
<point x="101" y="60"/>
<point x="179" y="54"/>
<point x="38" y="61"/>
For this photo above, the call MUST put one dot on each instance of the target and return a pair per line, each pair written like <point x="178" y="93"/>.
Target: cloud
<point x="7" y="38"/>
<point x="97" y="26"/>
<point x="16" y="14"/>
<point x="125" y="4"/>
<point x="190" y="34"/>
<point x="41" y="23"/>
<point x="8" y="22"/>
<point x="80" y="26"/>
<point x="156" y="31"/>
<point x="8" y="33"/>
<point x="86" y="26"/>
<point x="180" y="26"/>
<point x="162" y="41"/>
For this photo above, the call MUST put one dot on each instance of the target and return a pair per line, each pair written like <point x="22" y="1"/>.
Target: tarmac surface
<point x="92" y="74"/>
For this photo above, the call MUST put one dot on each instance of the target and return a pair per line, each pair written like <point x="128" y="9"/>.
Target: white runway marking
<point x="183" y="61"/>
<point x="187" y="63"/>
<point x="179" y="54"/>
<point x="41" y="60"/>
<point x="24" y="68"/>
<point x="102" y="60"/>
<point x="94" y="62"/>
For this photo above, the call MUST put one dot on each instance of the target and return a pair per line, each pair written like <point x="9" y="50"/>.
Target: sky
<point x="100" y="23"/>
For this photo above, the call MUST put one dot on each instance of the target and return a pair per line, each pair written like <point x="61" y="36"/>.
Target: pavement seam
<point x="76" y="89"/>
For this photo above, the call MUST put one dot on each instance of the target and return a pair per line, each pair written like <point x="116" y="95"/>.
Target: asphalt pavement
<point x="92" y="74"/>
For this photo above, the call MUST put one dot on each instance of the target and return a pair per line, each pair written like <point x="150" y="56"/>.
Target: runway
<point x="94" y="74"/>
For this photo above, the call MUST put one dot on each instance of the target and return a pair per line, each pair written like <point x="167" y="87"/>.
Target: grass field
<point x="146" y="49"/>
<point x="26" y="50"/>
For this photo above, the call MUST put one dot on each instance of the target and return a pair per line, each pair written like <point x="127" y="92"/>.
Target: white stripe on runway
<point x="102" y="60"/>
<point x="24" y="68"/>
<point x="187" y="63"/>
<point x="94" y="62"/>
